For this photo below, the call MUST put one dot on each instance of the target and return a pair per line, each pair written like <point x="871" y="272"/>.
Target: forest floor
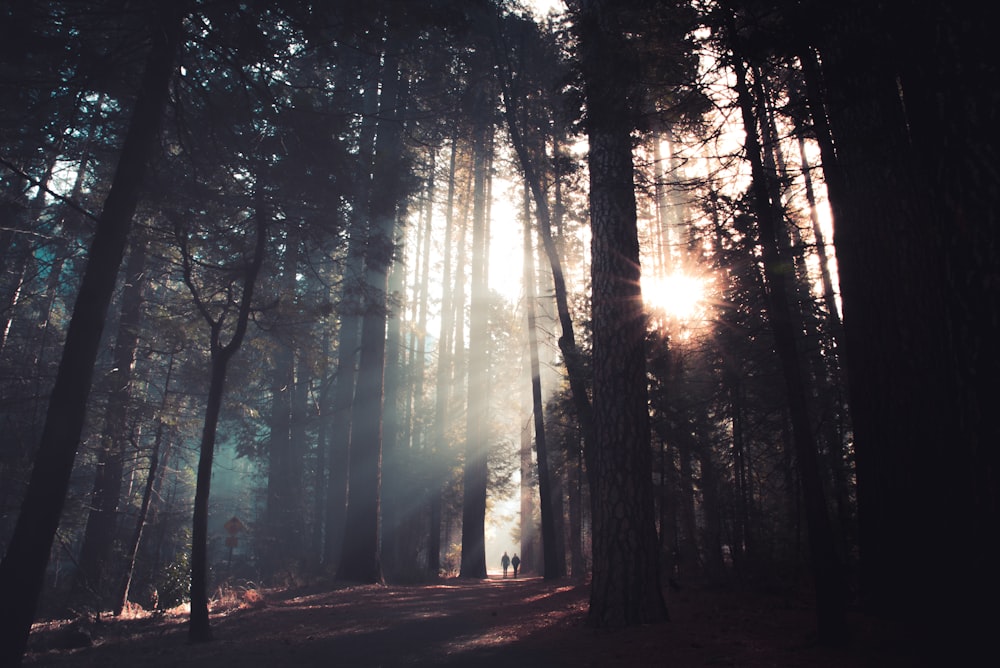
<point x="518" y="623"/>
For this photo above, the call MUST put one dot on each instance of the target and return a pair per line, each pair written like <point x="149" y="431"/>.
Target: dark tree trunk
<point x="199" y="629"/>
<point x="574" y="469"/>
<point x="361" y="554"/>
<point x="132" y="550"/>
<point x="550" y="566"/>
<point x="297" y="529"/>
<point x="340" y="409"/>
<point x="102" y="521"/>
<point x="573" y="359"/>
<point x="711" y="508"/>
<point x="688" y="547"/>
<point x="625" y="589"/>
<point x="283" y="534"/>
<point x="348" y="341"/>
<point x="320" y="472"/>
<point x="831" y="600"/>
<point x="405" y="526"/>
<point x="916" y="235"/>
<point x="22" y="571"/>
<point x="526" y="492"/>
<point x="396" y="427"/>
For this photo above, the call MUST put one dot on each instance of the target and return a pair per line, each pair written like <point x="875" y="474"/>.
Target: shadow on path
<point x="453" y="622"/>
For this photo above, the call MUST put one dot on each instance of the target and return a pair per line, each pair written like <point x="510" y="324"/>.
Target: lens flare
<point x="679" y="296"/>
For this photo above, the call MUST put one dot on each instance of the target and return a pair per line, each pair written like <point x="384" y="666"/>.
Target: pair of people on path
<point x="506" y="562"/>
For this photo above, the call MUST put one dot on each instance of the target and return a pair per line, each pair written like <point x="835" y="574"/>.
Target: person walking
<point x="505" y="562"/>
<point x="515" y="562"/>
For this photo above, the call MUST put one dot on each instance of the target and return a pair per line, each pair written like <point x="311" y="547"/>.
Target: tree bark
<point x="625" y="589"/>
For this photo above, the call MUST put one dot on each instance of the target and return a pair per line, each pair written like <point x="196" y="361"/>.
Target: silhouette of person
<point x="505" y="562"/>
<point x="515" y="562"/>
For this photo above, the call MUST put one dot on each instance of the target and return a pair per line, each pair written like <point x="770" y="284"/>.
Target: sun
<point x="679" y="296"/>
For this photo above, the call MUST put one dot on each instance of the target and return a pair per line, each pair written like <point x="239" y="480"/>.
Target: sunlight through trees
<point x="649" y="292"/>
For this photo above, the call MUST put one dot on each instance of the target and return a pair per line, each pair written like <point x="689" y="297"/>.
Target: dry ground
<point x="496" y="622"/>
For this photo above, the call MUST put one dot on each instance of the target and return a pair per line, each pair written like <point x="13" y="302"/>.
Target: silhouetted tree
<point x="625" y="589"/>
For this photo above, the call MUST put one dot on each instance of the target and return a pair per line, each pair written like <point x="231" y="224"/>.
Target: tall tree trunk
<point x="320" y="472"/>
<point x="132" y="550"/>
<point x="442" y="392"/>
<point x="361" y="553"/>
<point x="831" y="602"/>
<point x="688" y="549"/>
<point x="423" y="422"/>
<point x="348" y="340"/>
<point x="550" y="567"/>
<point x="625" y="589"/>
<point x="279" y="537"/>
<point x="829" y="292"/>
<point x="297" y="502"/>
<point x="102" y="521"/>
<point x="574" y="478"/>
<point x="199" y="628"/>
<point x="713" y="533"/>
<point x="917" y="252"/>
<point x="397" y="429"/>
<point x="572" y="357"/>
<point x="822" y="366"/>
<point x="22" y="571"/>
<point x="829" y="365"/>
<point x="528" y="528"/>
<point x="474" y="471"/>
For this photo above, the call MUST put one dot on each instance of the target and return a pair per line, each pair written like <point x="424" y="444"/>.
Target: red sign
<point x="234" y="526"/>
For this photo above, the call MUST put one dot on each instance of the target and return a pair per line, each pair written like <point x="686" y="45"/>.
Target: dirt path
<point x="452" y="622"/>
<point x="519" y="623"/>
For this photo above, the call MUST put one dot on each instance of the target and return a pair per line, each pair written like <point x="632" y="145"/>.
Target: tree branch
<point x="35" y="182"/>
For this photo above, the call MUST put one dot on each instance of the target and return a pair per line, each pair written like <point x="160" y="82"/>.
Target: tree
<point x="361" y="558"/>
<point x="474" y="468"/>
<point x="916" y="245"/>
<point x="221" y="353"/>
<point x="516" y="114"/>
<point x="23" y="567"/>
<point x="550" y="568"/>
<point x="152" y="480"/>
<point x="625" y="589"/>
<point x="102" y="521"/>
<point x="285" y="520"/>
<point x="442" y="376"/>
<point x="350" y="311"/>
<point x="831" y="604"/>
